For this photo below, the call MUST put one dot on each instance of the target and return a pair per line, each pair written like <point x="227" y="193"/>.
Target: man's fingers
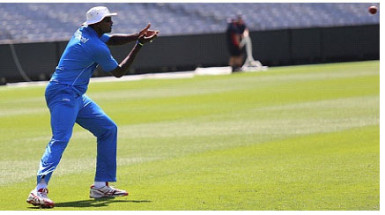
<point x="147" y="27"/>
<point x="144" y="31"/>
<point x="150" y="33"/>
<point x="150" y="37"/>
<point x="143" y="38"/>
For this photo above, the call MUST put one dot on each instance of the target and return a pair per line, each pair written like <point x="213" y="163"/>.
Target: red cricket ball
<point x="372" y="9"/>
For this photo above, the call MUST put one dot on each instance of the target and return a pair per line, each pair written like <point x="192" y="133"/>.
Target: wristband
<point x="139" y="43"/>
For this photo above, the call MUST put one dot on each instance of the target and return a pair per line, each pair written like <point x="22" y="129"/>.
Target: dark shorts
<point x="235" y="51"/>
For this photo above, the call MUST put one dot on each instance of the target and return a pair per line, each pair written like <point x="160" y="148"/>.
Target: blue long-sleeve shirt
<point x="84" y="52"/>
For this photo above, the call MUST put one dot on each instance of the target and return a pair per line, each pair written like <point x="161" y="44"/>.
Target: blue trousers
<point x="67" y="107"/>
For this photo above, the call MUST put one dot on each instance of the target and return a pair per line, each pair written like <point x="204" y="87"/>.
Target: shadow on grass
<point x="96" y="202"/>
<point x="103" y="202"/>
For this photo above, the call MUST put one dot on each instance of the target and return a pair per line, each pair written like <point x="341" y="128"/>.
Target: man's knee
<point x="113" y="128"/>
<point x="61" y="137"/>
<point x="108" y="129"/>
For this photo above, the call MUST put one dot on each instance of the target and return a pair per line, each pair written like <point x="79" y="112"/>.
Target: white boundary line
<point x="170" y="75"/>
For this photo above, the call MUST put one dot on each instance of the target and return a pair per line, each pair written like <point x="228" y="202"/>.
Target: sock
<point x="41" y="184"/>
<point x="99" y="184"/>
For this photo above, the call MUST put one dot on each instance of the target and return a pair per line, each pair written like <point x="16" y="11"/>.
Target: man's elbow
<point x="118" y="76"/>
<point x="118" y="72"/>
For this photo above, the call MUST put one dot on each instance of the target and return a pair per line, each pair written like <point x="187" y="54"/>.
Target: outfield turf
<point x="290" y="138"/>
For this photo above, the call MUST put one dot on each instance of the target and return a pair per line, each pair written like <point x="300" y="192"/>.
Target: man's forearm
<point x="123" y="67"/>
<point x="121" y="39"/>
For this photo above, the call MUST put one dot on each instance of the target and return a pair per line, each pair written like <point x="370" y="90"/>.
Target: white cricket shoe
<point x="40" y="198"/>
<point x="106" y="191"/>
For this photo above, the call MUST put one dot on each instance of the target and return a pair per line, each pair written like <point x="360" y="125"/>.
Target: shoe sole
<point x="45" y="205"/>
<point x="40" y="205"/>
<point x="113" y="196"/>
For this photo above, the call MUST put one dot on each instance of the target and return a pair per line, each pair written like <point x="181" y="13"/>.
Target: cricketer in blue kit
<point x="68" y="103"/>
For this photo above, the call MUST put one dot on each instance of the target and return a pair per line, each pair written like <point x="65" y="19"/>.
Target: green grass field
<point x="291" y="138"/>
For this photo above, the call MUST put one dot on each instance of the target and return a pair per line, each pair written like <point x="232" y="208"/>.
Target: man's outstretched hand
<point x="147" y="35"/>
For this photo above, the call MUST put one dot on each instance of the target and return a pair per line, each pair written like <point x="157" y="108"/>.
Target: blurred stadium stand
<point x="32" y="22"/>
<point x="34" y="35"/>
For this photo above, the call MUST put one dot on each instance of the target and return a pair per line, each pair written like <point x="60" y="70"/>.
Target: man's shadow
<point x="102" y="202"/>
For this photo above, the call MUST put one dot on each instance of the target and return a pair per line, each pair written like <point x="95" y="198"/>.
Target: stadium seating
<point x="25" y="22"/>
